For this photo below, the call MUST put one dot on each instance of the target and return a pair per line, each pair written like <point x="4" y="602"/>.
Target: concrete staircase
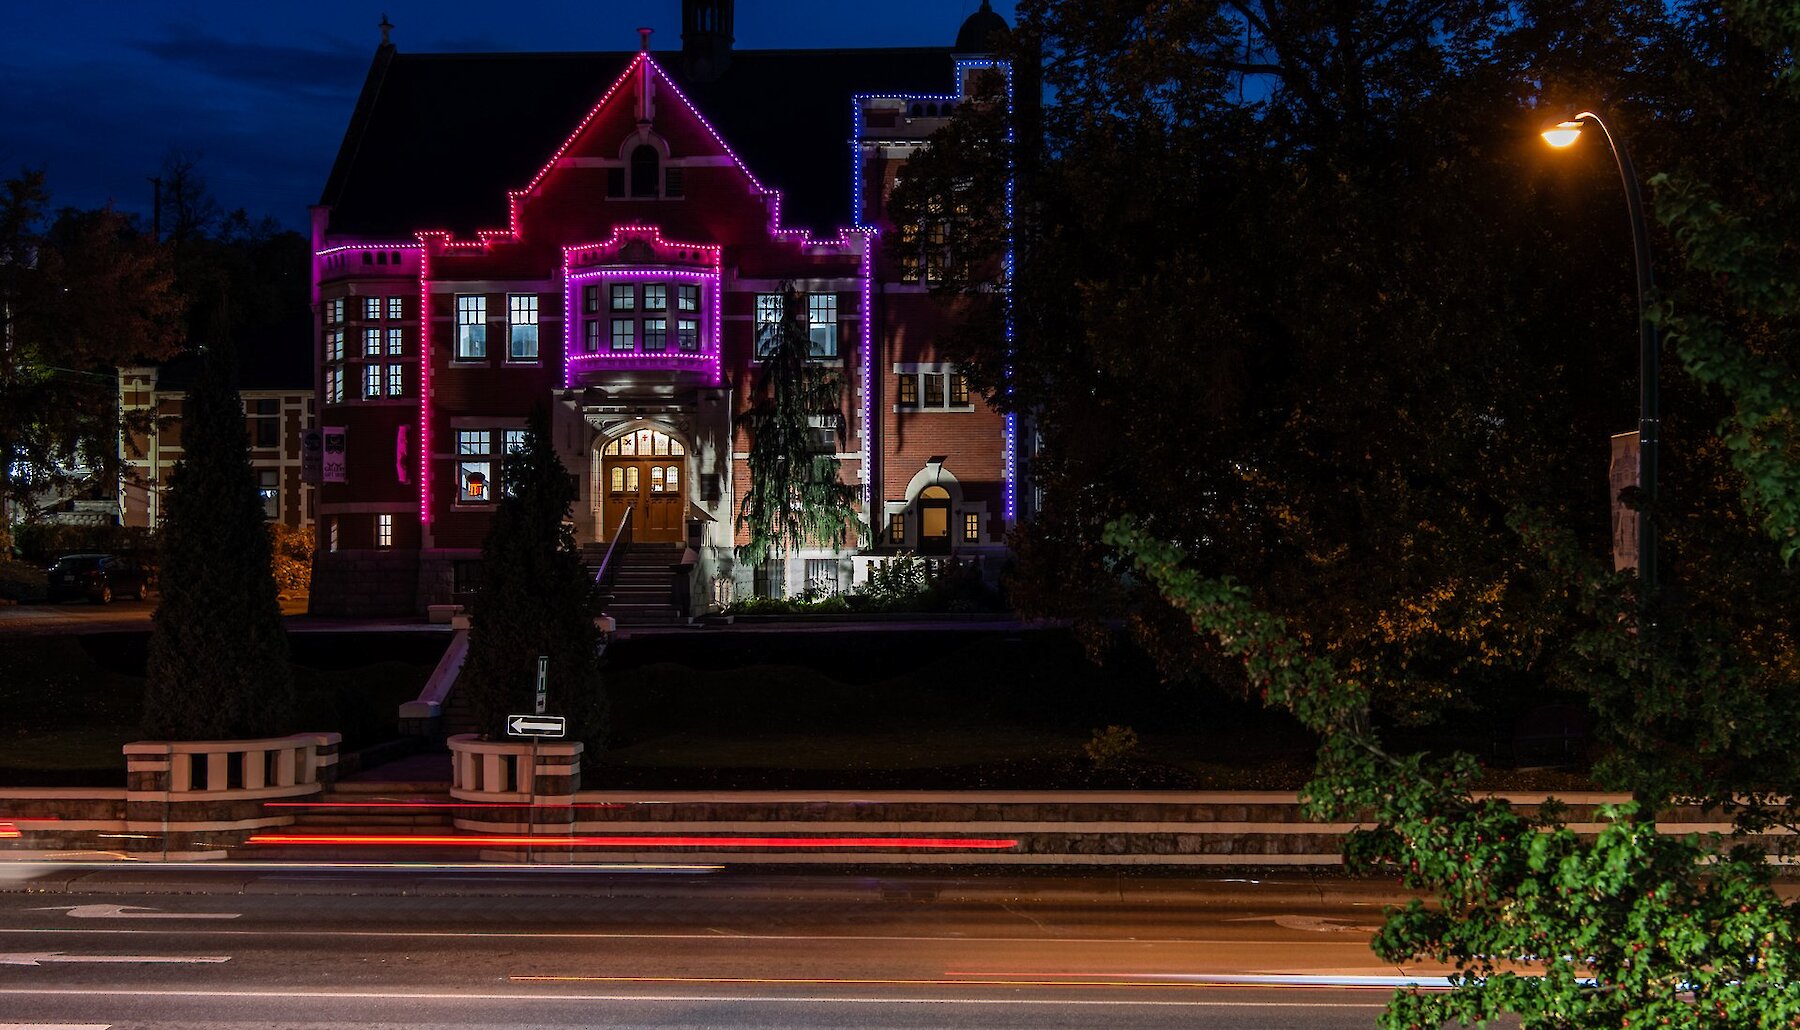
<point x="643" y="586"/>
<point x="411" y="813"/>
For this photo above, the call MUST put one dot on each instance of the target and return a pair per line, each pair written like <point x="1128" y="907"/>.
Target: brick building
<point x="605" y="234"/>
<point x="276" y="384"/>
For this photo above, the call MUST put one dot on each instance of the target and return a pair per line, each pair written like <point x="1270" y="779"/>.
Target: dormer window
<point x="645" y="171"/>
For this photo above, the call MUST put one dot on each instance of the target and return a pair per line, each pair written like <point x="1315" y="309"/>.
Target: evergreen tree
<point x="218" y="664"/>
<point x="536" y="598"/>
<point x="796" y="496"/>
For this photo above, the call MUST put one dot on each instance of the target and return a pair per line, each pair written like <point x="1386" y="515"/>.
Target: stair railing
<point x="607" y="572"/>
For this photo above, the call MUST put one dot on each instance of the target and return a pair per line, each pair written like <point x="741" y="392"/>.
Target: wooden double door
<point x="648" y="471"/>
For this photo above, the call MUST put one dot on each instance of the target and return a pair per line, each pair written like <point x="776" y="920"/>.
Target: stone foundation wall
<point x="358" y="584"/>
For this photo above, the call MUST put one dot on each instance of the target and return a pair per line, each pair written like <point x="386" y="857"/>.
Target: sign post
<point x="543" y="679"/>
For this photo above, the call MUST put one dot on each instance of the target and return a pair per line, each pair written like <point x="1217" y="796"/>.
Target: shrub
<point x="22" y="582"/>
<point x="1111" y="747"/>
<point x="293" y="558"/>
<point x="44" y="542"/>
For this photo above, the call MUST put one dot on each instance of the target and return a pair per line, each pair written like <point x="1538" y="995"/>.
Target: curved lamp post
<point x="1563" y="134"/>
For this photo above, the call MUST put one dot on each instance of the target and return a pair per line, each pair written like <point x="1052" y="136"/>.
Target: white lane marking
<point x="130" y="912"/>
<point x="35" y="958"/>
<point x="1193" y="1003"/>
<point x="715" y="936"/>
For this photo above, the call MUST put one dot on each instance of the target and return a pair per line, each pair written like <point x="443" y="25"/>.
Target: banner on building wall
<point x="401" y="462"/>
<point x="334" y="455"/>
<point x="312" y="456"/>
<point x="1622" y="476"/>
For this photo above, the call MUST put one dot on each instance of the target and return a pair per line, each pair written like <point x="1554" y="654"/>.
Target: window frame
<point x="384" y="531"/>
<point x="822" y="326"/>
<point x="522" y="311"/>
<point x="471" y="326"/>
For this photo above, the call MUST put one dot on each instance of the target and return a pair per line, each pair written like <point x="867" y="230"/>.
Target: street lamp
<point x="1563" y="134"/>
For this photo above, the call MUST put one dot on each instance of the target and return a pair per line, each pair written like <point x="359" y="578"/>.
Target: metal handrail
<point x="604" y="574"/>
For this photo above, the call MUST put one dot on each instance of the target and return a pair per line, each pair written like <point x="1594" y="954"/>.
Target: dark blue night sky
<point x="96" y="93"/>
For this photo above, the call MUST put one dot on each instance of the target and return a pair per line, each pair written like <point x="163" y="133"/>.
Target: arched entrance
<point x="647" y="469"/>
<point x="934" y="520"/>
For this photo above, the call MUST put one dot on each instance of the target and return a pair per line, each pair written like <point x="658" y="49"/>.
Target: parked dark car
<point x="99" y="578"/>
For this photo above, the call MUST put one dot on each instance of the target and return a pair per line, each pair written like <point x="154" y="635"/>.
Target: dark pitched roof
<point x="438" y="139"/>
<point x="279" y="357"/>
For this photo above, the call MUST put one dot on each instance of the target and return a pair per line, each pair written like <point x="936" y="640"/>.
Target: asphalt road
<point x="307" y="946"/>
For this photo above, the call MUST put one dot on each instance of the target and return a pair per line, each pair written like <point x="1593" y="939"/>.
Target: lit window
<point x="618" y="479"/>
<point x="371" y="343"/>
<point x="384" y="531"/>
<point x="687" y="335"/>
<point x="590" y="298"/>
<point x="909" y="390"/>
<point x="624" y="297"/>
<point x="897" y="527"/>
<point x="268" y="488"/>
<point x="656" y="479"/>
<point x="624" y="334"/>
<point x="971" y="527"/>
<point x="331" y="535"/>
<point x="934" y="390"/>
<point x="396" y="342"/>
<point x="471" y="327"/>
<point x="631" y="479"/>
<point x="513" y="441"/>
<point x="472" y="481"/>
<point x="371" y="381"/>
<point x="656" y="334"/>
<point x="334" y="310"/>
<point x="821" y="576"/>
<point x="372" y="308"/>
<point x="687" y="298"/>
<point x="768" y="323"/>
<point x="674" y="478"/>
<point x="522" y="316"/>
<point x="590" y="336"/>
<point x="471" y="441"/>
<point x="656" y="297"/>
<point x="396" y="307"/>
<point x="821" y="321"/>
<point x="396" y="380"/>
<point x="334" y="345"/>
<point x="959" y="388"/>
<point x="334" y="384"/>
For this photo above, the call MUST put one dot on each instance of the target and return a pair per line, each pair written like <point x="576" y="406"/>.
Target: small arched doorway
<point x="647" y="470"/>
<point x="934" y="520"/>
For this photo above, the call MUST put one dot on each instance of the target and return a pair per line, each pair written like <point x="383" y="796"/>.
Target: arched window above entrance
<point x="934" y="493"/>
<point x="645" y="443"/>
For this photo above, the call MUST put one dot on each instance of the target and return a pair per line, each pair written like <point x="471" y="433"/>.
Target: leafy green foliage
<point x="218" y="664"/>
<point x="79" y="296"/>
<point x="536" y="598"/>
<point x="1629" y="928"/>
<point x="796" y="495"/>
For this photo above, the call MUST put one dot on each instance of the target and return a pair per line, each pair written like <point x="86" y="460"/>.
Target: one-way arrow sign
<point x="534" y="725"/>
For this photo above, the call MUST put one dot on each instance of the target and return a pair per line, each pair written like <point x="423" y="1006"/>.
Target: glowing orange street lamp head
<point x="1562" y="134"/>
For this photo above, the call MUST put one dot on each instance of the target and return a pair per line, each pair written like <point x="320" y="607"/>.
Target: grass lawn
<point x="71" y="702"/>
<point x="920" y="710"/>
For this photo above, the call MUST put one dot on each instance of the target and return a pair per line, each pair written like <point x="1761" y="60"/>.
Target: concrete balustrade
<point x="190" y="770"/>
<point x="529" y="795"/>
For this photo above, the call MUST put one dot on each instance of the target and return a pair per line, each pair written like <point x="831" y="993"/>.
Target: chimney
<point x="705" y="38"/>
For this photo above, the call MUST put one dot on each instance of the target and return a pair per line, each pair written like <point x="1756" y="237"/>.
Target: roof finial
<point x="644" y="40"/>
<point x="386" y="27"/>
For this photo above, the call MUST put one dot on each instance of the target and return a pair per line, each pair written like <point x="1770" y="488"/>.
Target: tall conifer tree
<point x="218" y="664"/>
<point x="796" y="496"/>
<point x="536" y="598"/>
